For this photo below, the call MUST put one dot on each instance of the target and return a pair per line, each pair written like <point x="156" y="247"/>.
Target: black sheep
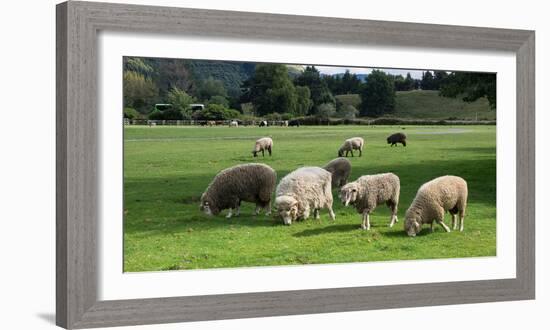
<point x="397" y="138"/>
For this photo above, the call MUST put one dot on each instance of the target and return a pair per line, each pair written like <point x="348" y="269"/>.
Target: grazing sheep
<point x="233" y="123"/>
<point x="396" y="138"/>
<point x="263" y="123"/>
<point x="265" y="143"/>
<point x="340" y="169"/>
<point x="446" y="193"/>
<point x="369" y="191"/>
<point x="284" y="123"/>
<point x="349" y="145"/>
<point x="252" y="183"/>
<point x="294" y="122"/>
<point x="302" y="191"/>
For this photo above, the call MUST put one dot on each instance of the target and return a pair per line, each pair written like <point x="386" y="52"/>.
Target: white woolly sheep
<point x="433" y="199"/>
<point x="233" y="123"/>
<point x="369" y="191"/>
<point x="302" y="191"/>
<point x="252" y="183"/>
<point x="340" y="168"/>
<point x="349" y="145"/>
<point x="265" y="143"/>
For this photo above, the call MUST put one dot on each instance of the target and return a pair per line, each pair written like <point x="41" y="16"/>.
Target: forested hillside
<point x="232" y="90"/>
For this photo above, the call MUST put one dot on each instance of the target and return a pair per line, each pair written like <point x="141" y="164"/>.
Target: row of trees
<point x="271" y="91"/>
<point x="151" y="81"/>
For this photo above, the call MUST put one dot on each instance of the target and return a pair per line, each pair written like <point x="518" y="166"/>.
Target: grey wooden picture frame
<point x="78" y="24"/>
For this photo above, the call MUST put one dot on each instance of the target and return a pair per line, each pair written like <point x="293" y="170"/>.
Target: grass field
<point x="166" y="169"/>
<point x="419" y="104"/>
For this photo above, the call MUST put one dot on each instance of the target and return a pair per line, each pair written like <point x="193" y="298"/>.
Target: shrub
<point x="171" y="114"/>
<point x="216" y="112"/>
<point x="131" y="113"/>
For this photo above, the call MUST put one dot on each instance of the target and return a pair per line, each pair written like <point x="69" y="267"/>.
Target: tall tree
<point x="139" y="65"/>
<point x="350" y="83"/>
<point x="320" y="92"/>
<point x="427" y="82"/>
<point x="139" y="92"/>
<point x="180" y="100"/>
<point x="471" y="86"/>
<point x="377" y="95"/>
<point x="303" y="101"/>
<point x="210" y="87"/>
<point x="171" y="73"/>
<point x="271" y="90"/>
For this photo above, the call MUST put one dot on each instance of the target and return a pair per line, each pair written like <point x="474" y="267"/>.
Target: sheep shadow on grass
<point x="327" y="230"/>
<point x="401" y="233"/>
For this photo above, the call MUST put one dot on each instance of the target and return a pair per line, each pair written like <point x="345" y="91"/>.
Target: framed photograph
<point x="218" y="165"/>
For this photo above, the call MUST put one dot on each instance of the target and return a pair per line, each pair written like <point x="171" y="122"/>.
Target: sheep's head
<point x="349" y="193"/>
<point x="340" y="152"/>
<point x="412" y="225"/>
<point x="287" y="208"/>
<point x="388" y="139"/>
<point x="207" y="206"/>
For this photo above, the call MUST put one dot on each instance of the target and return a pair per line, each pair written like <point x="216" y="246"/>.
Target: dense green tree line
<point x="232" y="89"/>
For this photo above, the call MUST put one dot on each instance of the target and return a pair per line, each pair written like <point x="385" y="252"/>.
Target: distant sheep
<point x="233" y="123"/>
<point x="396" y="138"/>
<point x="294" y="122"/>
<point x="433" y="199"/>
<point x="263" y="123"/>
<point x="252" y="183"/>
<point x="369" y="191"/>
<point x="340" y="168"/>
<point x="284" y="123"/>
<point x="265" y="143"/>
<point x="302" y="191"/>
<point x="349" y="145"/>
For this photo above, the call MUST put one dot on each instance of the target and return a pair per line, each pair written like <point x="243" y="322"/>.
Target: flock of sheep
<point x="307" y="190"/>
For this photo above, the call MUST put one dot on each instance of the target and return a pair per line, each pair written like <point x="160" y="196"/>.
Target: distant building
<point x="196" y="106"/>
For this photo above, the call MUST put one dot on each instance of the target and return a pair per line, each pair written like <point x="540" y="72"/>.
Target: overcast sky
<point x="417" y="74"/>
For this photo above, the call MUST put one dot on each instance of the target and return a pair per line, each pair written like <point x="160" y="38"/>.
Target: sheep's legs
<point x="453" y="221"/>
<point x="432" y="227"/>
<point x="229" y="214"/>
<point x="305" y="214"/>
<point x="461" y="215"/>
<point x="263" y="153"/>
<point x="269" y="150"/>
<point x="393" y="219"/>
<point x="316" y="214"/>
<point x="268" y="208"/>
<point x="444" y="226"/>
<point x="331" y="213"/>
<point x="366" y="223"/>
<point x="257" y="210"/>
<point x="238" y="211"/>
<point x="360" y="152"/>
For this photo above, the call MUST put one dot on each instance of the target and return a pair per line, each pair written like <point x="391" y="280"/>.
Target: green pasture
<point x="166" y="169"/>
<point x="421" y="104"/>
